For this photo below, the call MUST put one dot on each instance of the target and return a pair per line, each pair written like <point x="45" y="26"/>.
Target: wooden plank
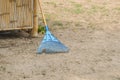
<point x="19" y="13"/>
<point x="8" y="14"/>
<point x="31" y="13"/>
<point x="16" y="14"/>
<point x="4" y="29"/>
<point x="4" y="13"/>
<point x="0" y="13"/>
<point x="35" y="24"/>
<point x="25" y="15"/>
<point x="12" y="16"/>
<point x="3" y="16"/>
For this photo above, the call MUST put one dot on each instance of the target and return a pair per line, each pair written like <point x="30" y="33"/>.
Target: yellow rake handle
<point x="43" y="16"/>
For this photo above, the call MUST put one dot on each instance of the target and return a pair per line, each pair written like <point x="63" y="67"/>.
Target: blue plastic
<point x="50" y="44"/>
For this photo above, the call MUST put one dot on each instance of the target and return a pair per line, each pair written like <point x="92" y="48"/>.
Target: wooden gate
<point x="16" y="14"/>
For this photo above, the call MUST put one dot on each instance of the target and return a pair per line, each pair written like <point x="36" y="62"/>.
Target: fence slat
<point x="16" y="14"/>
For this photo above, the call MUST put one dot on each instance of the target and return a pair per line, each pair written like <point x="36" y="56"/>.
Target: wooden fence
<point x="16" y="14"/>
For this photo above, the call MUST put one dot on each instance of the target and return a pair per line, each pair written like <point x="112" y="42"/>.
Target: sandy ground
<point x="90" y="28"/>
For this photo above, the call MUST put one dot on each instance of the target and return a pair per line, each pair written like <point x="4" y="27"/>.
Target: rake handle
<point x="43" y="16"/>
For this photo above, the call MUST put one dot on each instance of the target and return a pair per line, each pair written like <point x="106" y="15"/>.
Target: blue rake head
<point x="50" y="44"/>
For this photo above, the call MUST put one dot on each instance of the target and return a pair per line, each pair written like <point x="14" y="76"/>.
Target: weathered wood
<point x="35" y="21"/>
<point x="16" y="14"/>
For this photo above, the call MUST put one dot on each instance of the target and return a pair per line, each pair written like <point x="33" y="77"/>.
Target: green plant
<point x="41" y="29"/>
<point x="2" y="68"/>
<point x="52" y="3"/>
<point x="78" y="8"/>
<point x="97" y="8"/>
<point x="117" y="9"/>
<point x="58" y="23"/>
<point x="48" y="16"/>
<point x="92" y="25"/>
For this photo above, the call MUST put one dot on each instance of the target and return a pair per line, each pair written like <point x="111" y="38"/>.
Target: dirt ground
<point x="90" y="28"/>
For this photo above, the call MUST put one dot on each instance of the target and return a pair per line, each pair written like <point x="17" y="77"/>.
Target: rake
<point x="50" y="44"/>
